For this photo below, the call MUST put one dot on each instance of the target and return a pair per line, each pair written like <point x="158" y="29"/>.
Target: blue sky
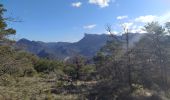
<point x="68" y="20"/>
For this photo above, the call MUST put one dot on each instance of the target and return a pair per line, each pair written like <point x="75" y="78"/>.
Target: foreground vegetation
<point x="135" y="70"/>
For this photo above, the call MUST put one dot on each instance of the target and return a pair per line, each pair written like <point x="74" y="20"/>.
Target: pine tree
<point x="4" y="30"/>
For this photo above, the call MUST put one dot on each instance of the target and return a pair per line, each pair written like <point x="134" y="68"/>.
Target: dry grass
<point x="31" y="88"/>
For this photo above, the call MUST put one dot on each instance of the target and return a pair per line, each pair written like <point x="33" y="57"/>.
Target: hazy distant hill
<point x="87" y="46"/>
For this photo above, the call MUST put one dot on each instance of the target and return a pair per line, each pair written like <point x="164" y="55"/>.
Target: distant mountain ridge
<point x="88" y="46"/>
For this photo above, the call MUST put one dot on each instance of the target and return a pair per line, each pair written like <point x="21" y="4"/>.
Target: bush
<point x="15" y="63"/>
<point x="7" y="80"/>
<point x="88" y="69"/>
<point x="47" y="66"/>
<point x="70" y="70"/>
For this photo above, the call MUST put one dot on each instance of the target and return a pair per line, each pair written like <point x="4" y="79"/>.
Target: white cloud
<point x="146" y="19"/>
<point x="76" y="4"/>
<point x="150" y="18"/>
<point x="90" y="26"/>
<point x="136" y="25"/>
<point x="164" y="18"/>
<point x="137" y="29"/>
<point x="113" y="32"/>
<point x="128" y="25"/>
<point x="133" y="27"/>
<point x="122" y="17"/>
<point x="101" y="3"/>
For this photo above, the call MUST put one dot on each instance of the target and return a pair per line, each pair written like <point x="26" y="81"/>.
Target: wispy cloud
<point x="136" y="25"/>
<point x="122" y="17"/>
<point x="90" y="26"/>
<point x="113" y="33"/>
<point x="76" y="4"/>
<point x="127" y="25"/>
<point x="149" y="18"/>
<point x="133" y="27"/>
<point x="137" y="29"/>
<point x="101" y="3"/>
<point x="146" y="19"/>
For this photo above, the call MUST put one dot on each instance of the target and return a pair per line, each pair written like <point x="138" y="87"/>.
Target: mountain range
<point x="88" y="46"/>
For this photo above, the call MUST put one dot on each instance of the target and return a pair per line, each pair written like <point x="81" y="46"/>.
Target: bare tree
<point x="128" y="58"/>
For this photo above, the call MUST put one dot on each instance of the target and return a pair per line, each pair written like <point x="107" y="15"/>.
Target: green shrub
<point x="70" y="70"/>
<point x="88" y="69"/>
<point x="47" y="66"/>
<point x="15" y="63"/>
